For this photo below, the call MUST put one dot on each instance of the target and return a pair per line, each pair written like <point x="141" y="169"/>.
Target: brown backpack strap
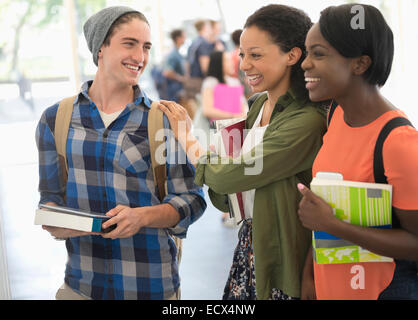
<point x="158" y="162"/>
<point x="62" y="124"/>
<point x="156" y="123"/>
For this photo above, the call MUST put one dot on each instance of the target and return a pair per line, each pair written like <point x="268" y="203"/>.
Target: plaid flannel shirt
<point x="112" y="166"/>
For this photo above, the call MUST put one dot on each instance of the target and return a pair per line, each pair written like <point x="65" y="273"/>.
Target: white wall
<point x="4" y="274"/>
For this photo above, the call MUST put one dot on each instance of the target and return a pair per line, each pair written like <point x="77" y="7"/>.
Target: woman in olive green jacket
<point x="291" y="127"/>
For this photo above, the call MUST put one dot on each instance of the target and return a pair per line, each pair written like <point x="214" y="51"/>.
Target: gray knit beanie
<point x="98" y="25"/>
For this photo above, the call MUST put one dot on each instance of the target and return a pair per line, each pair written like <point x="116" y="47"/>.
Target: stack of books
<point x="358" y="203"/>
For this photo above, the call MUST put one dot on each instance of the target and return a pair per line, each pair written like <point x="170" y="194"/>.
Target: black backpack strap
<point x="253" y="98"/>
<point x="378" y="167"/>
<point x="332" y="108"/>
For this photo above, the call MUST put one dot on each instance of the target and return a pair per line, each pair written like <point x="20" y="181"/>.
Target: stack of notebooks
<point x="358" y="203"/>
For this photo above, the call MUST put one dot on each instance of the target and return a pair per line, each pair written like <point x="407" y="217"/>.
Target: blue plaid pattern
<point x="112" y="166"/>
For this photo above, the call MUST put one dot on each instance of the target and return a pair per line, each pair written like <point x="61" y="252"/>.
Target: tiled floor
<point x="36" y="261"/>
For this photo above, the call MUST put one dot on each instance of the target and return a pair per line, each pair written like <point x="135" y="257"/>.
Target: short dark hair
<point x="125" y="18"/>
<point x="375" y="39"/>
<point x="235" y="36"/>
<point x="215" y="68"/>
<point x="199" y="24"/>
<point x="287" y="27"/>
<point x="176" y="33"/>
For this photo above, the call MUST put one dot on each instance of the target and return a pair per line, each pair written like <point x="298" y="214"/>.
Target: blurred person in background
<point x="174" y="67"/>
<point x="235" y="36"/>
<point x="217" y="43"/>
<point x="25" y="90"/>
<point x="238" y="73"/>
<point x="198" y="58"/>
<point x="174" y="72"/>
<point x="220" y="71"/>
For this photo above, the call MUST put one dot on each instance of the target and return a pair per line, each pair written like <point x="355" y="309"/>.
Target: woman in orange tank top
<point x="349" y="57"/>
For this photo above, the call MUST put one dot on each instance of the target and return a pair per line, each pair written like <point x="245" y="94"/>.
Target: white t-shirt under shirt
<point x="108" y="118"/>
<point x="253" y="138"/>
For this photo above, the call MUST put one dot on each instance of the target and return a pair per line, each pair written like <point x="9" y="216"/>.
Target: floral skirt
<point x="241" y="281"/>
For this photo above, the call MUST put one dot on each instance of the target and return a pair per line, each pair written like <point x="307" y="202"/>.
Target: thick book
<point x="359" y="203"/>
<point x="70" y="218"/>
<point x="228" y="98"/>
<point x="232" y="134"/>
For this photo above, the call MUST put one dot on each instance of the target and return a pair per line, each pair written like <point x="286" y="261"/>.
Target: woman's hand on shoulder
<point x="181" y="124"/>
<point x="179" y="119"/>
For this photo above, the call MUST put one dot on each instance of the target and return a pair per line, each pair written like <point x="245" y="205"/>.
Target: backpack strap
<point x="155" y="123"/>
<point x="158" y="162"/>
<point x="253" y="98"/>
<point x="332" y="108"/>
<point x="62" y="124"/>
<point x="378" y="165"/>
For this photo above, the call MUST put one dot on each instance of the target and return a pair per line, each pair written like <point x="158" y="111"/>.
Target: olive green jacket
<point x="290" y="144"/>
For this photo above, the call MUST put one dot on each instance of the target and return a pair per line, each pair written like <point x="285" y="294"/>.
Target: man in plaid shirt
<point x="109" y="171"/>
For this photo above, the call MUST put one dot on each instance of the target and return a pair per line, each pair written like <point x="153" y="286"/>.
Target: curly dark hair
<point x="287" y="27"/>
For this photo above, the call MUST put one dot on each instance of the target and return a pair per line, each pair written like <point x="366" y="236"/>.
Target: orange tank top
<point x="349" y="151"/>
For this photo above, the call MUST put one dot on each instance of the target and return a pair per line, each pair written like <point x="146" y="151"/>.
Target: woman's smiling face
<point x="264" y="63"/>
<point x="327" y="73"/>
